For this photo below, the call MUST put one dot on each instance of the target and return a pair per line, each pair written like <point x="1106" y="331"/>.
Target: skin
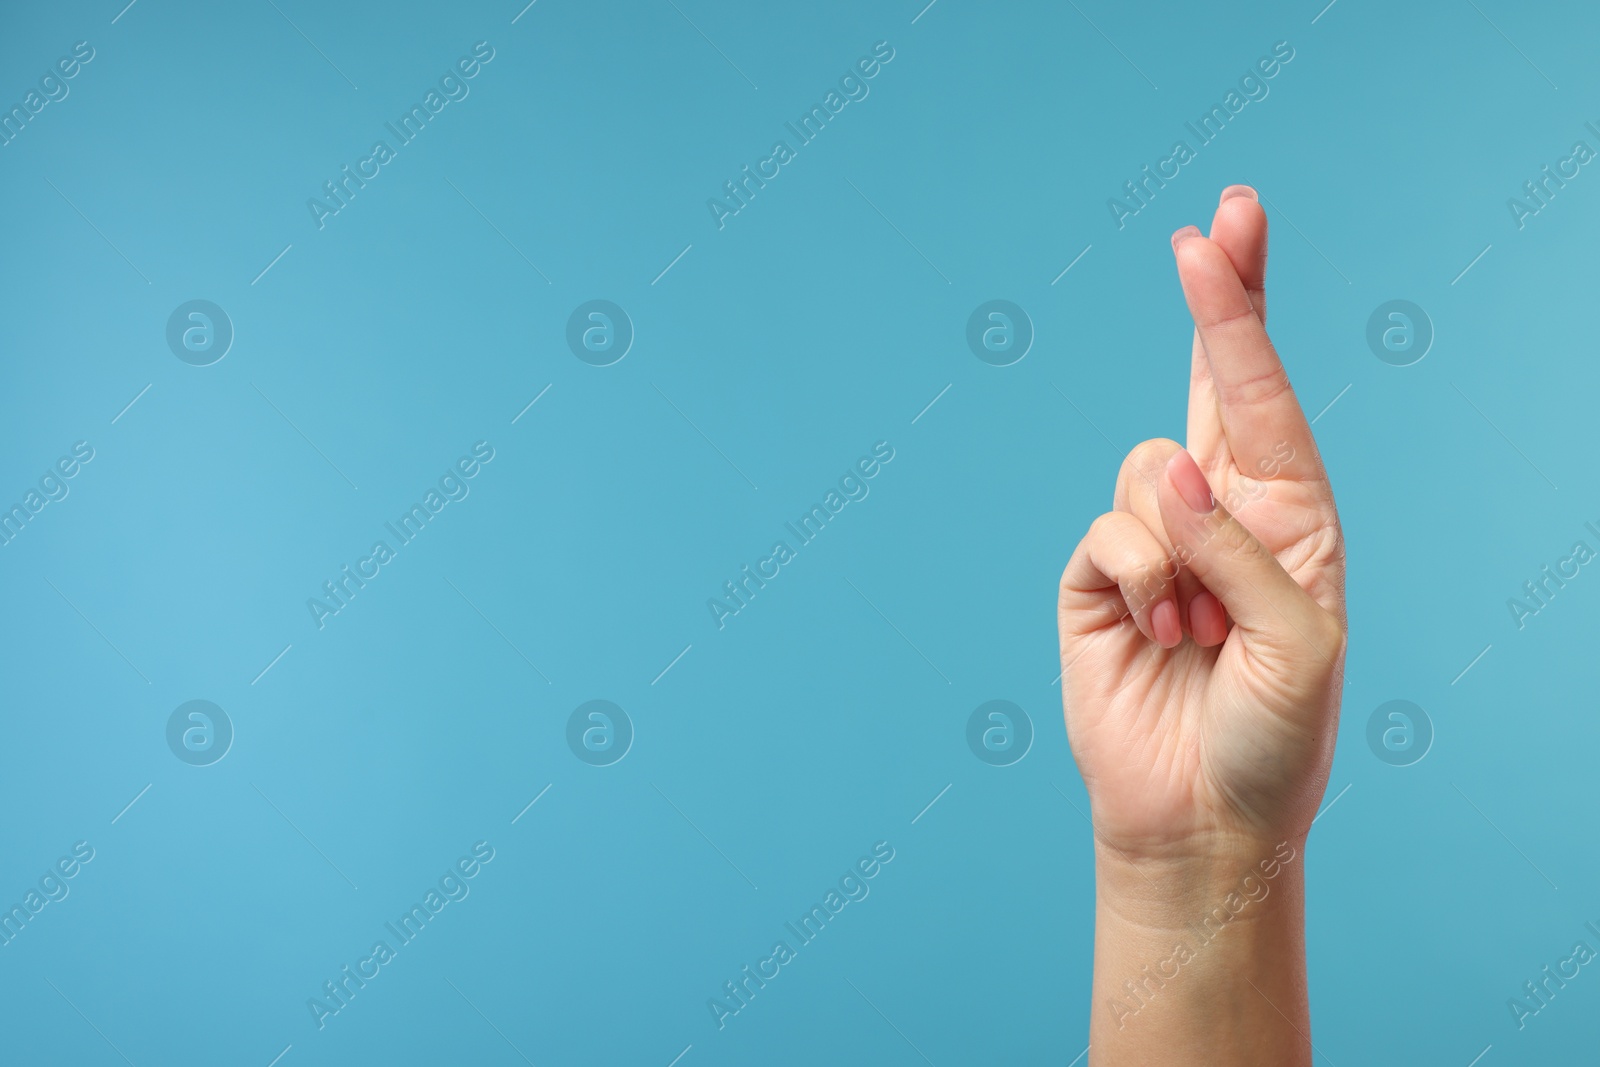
<point x="1203" y="633"/>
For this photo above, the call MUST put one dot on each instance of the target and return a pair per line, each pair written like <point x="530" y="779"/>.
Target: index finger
<point x="1240" y="228"/>
<point x="1260" y="414"/>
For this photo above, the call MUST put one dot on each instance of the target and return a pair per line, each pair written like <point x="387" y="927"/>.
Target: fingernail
<point x="1190" y="483"/>
<point x="1164" y="622"/>
<point x="1239" y="190"/>
<point x="1208" y="620"/>
<point x="1182" y="235"/>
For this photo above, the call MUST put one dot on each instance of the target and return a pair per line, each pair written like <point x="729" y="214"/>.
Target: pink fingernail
<point x="1181" y="235"/>
<point x="1190" y="483"/>
<point x="1239" y="190"/>
<point x="1164" y="622"/>
<point x="1208" y="620"/>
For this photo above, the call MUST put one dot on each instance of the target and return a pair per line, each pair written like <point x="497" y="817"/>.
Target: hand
<point x="1203" y="644"/>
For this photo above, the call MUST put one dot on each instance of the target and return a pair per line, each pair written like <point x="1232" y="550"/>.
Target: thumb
<point x="1263" y="599"/>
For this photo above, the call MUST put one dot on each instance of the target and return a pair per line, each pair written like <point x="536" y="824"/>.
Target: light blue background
<point x="821" y="319"/>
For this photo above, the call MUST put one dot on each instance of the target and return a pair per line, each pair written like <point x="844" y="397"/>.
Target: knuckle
<point x="1224" y="318"/>
<point x="1261" y="388"/>
<point x="1149" y="455"/>
<point x="1143" y="589"/>
<point x="1103" y="527"/>
<point x="1330" y="634"/>
<point x="1241" y="545"/>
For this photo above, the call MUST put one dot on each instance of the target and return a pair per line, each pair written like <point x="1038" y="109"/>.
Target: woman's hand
<point x="1202" y="643"/>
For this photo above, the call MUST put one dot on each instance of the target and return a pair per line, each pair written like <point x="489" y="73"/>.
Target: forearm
<point x="1201" y="960"/>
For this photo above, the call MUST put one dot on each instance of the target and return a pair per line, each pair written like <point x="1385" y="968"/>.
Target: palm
<point x="1231" y="730"/>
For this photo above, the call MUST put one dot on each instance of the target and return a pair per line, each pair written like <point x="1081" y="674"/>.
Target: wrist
<point x="1203" y="951"/>
<point x="1215" y="881"/>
